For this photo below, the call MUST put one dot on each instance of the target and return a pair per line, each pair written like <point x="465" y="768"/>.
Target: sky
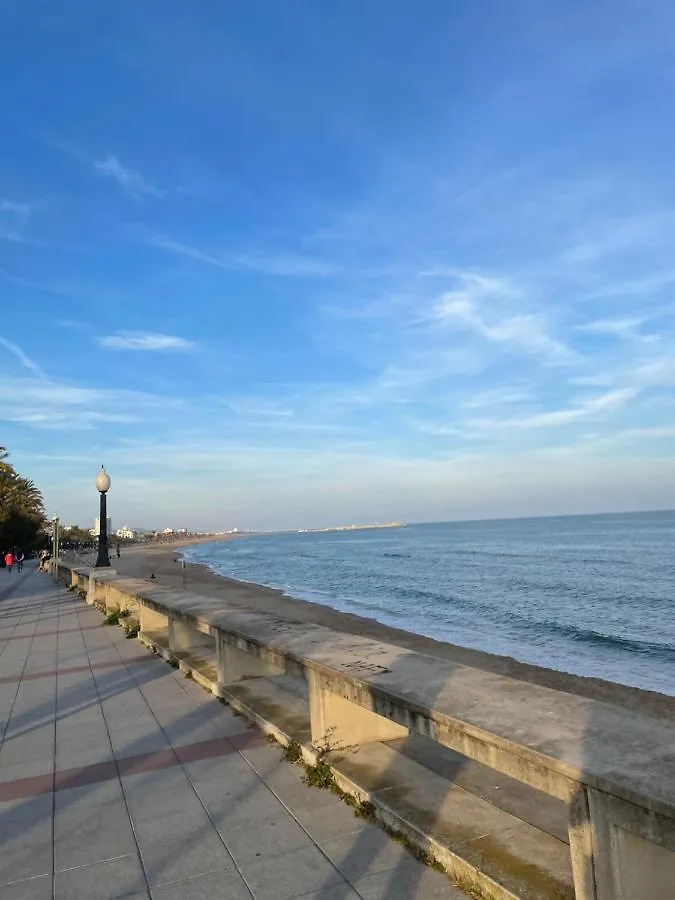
<point x="297" y="264"/>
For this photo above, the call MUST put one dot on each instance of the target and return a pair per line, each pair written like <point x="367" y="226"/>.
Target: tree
<point x="76" y="537"/>
<point x="22" y="514"/>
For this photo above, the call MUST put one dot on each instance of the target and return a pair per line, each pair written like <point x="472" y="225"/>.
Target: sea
<point x="591" y="595"/>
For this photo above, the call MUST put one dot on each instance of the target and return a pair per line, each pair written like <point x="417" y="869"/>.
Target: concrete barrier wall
<point x="614" y="769"/>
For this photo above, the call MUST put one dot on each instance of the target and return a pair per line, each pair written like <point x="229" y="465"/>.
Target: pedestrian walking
<point x="9" y="560"/>
<point x="19" y="561"/>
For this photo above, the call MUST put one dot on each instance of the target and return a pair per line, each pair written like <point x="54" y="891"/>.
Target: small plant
<point x="173" y="662"/>
<point x="125" y="613"/>
<point x="188" y="673"/>
<point x="364" y="809"/>
<point x="131" y="631"/>
<point x="320" y="776"/>
<point x="113" y="618"/>
<point x="293" y="752"/>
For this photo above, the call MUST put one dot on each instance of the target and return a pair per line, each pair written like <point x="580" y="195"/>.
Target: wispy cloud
<point x="10" y="206"/>
<point x="56" y="404"/>
<point x="23" y="358"/>
<point x="286" y="264"/>
<point x="128" y="179"/>
<point x="146" y="341"/>
<point x="620" y="234"/>
<point x="180" y="249"/>
<point x="279" y="264"/>
<point x="627" y="329"/>
<point x="586" y="409"/>
<point x="523" y="331"/>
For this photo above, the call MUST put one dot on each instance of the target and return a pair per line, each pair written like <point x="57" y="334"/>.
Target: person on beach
<point x="9" y="560"/>
<point x="19" y="561"/>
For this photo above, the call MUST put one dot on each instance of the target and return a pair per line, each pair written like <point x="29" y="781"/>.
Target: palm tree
<point x="22" y="514"/>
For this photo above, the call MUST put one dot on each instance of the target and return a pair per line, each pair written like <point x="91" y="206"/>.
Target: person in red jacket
<point x="9" y="560"/>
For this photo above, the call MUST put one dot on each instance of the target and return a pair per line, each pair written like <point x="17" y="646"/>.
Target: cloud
<point x="281" y="264"/>
<point x="616" y="235"/>
<point x="286" y="264"/>
<point x="146" y="341"/>
<point x="180" y="249"/>
<point x="53" y="404"/>
<point x="128" y="179"/>
<point x="627" y="329"/>
<point x="587" y="409"/>
<point x="19" y="209"/>
<point x="525" y="331"/>
<point x="23" y="358"/>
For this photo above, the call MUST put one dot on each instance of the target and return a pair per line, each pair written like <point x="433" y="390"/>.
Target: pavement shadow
<point x="22" y="813"/>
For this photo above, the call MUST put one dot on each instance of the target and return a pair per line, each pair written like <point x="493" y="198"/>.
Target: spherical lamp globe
<point x="103" y="481"/>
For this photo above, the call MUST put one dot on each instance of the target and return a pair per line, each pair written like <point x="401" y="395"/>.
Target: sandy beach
<point x="162" y="560"/>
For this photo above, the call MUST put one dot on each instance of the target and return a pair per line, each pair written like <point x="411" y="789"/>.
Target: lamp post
<point x="102" y="486"/>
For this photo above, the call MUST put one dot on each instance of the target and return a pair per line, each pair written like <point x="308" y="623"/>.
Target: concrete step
<point x="491" y="833"/>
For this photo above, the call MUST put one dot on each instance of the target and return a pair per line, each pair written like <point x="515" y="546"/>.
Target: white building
<point x="97" y="526"/>
<point x="125" y="533"/>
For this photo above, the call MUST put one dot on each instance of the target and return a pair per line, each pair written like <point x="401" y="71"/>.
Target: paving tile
<point x="338" y="892"/>
<point x="26" y="769"/>
<point x="207" y="731"/>
<point x="40" y="888"/>
<point x="270" y="764"/>
<point x="409" y="880"/>
<point x="148" y="786"/>
<point x="26" y="850"/>
<point x="25" y="809"/>
<point x="224" y="885"/>
<point x="178" y="846"/>
<point x="330" y="818"/>
<point x="143" y="739"/>
<point x="266" y="837"/>
<point x="84" y="835"/>
<point x="365" y="852"/>
<point x="78" y="776"/>
<point x="226" y="766"/>
<point x="232" y="806"/>
<point x="101" y="792"/>
<point x="290" y="875"/>
<point x="102" y="881"/>
<point x="227" y="723"/>
<point x="73" y="756"/>
<point x="164" y="803"/>
<point x="298" y="795"/>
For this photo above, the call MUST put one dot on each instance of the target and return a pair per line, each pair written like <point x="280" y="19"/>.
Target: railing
<point x="614" y="769"/>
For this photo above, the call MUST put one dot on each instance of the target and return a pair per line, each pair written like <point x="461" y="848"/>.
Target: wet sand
<point x="162" y="560"/>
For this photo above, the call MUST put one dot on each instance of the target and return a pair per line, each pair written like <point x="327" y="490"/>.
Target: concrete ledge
<point x="613" y="768"/>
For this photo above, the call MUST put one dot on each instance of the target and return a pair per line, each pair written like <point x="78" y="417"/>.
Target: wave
<point x="615" y="641"/>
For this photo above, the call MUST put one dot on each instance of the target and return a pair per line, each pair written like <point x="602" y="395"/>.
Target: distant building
<point x="97" y="526"/>
<point x="125" y="533"/>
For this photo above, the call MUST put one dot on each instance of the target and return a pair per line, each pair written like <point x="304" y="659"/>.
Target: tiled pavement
<point x="120" y="778"/>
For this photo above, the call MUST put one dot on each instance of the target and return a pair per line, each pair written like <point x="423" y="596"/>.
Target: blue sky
<point x="285" y="264"/>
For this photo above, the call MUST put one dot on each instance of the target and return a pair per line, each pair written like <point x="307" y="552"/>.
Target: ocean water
<point x="591" y="595"/>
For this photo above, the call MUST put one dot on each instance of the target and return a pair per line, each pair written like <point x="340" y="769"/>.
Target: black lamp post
<point x="102" y="486"/>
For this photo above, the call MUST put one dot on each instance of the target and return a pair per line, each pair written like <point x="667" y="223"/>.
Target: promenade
<point x="119" y="777"/>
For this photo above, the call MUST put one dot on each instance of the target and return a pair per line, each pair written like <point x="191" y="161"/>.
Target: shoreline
<point x="160" y="560"/>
